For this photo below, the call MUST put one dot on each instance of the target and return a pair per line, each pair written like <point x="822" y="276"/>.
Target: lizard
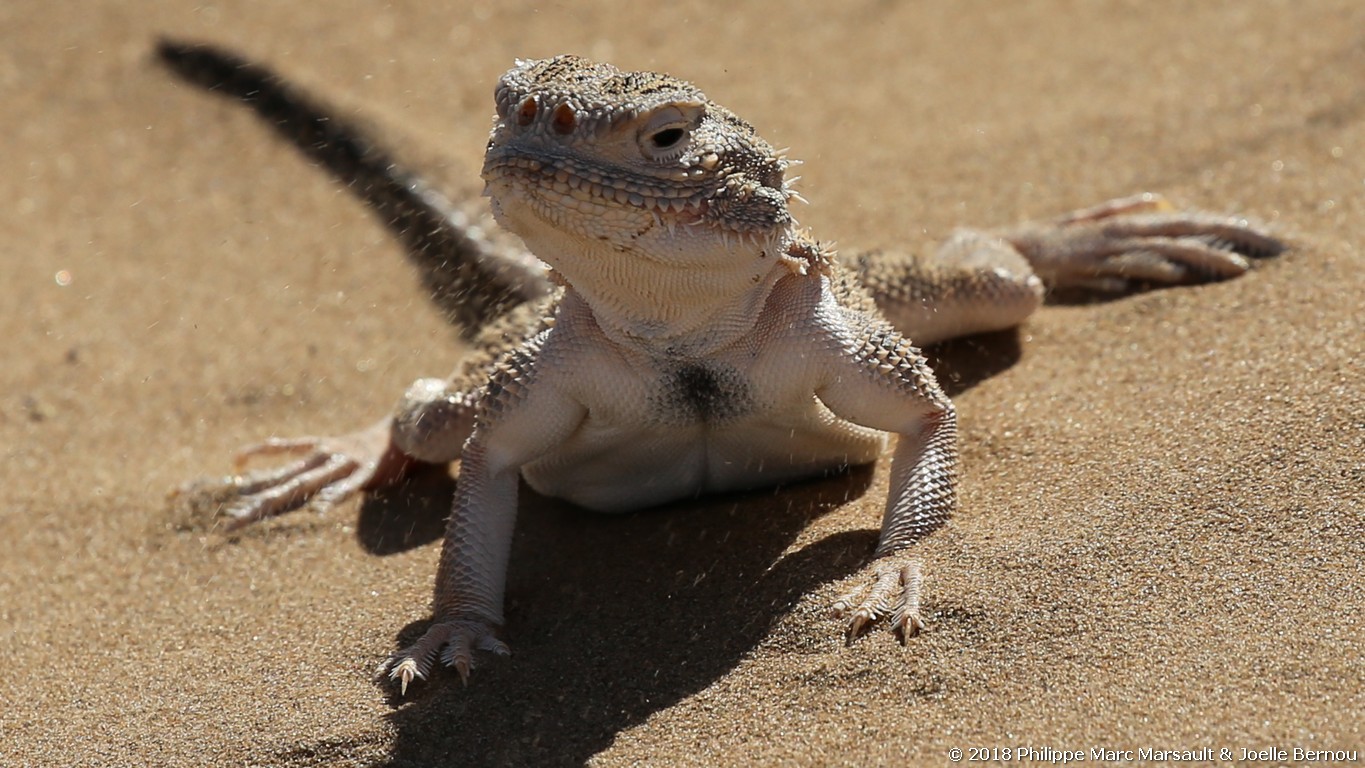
<point x="664" y="328"/>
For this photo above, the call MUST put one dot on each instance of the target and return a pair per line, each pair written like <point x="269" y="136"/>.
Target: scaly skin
<point x="695" y="339"/>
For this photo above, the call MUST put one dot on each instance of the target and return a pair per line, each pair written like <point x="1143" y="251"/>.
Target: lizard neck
<point x="676" y="309"/>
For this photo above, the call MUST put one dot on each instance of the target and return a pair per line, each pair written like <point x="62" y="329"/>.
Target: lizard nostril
<point x="564" y="119"/>
<point x="526" y="113"/>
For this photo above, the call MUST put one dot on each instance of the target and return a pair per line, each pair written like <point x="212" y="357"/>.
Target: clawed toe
<point x="1180" y="248"/>
<point x="404" y="671"/>
<point x="321" y="480"/>
<point x="1145" y="202"/>
<point x="894" y="593"/>
<point x="329" y="471"/>
<point x="454" y="642"/>
<point x="277" y="445"/>
<point x="1141" y="241"/>
<point x="1222" y="234"/>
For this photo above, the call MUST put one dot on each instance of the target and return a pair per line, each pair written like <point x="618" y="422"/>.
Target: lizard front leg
<point x="881" y="381"/>
<point x="517" y="421"/>
<point x="470" y="581"/>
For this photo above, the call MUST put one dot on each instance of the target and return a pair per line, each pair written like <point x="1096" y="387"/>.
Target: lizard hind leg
<point x="330" y="470"/>
<point x="1140" y="241"/>
<point x="429" y="425"/>
<point x="974" y="282"/>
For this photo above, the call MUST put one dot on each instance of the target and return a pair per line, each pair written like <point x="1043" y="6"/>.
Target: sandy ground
<point x="1159" y="543"/>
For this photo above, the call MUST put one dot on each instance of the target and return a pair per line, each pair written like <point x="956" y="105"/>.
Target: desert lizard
<point x="679" y="333"/>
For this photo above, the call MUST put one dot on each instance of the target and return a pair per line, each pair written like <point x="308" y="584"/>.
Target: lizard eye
<point x="665" y="143"/>
<point x="665" y="135"/>
<point x="667" y="138"/>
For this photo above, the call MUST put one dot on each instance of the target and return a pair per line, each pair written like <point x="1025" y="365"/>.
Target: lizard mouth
<point x="563" y="185"/>
<point x="690" y="202"/>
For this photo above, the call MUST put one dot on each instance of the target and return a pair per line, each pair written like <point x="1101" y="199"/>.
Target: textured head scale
<point x="593" y="149"/>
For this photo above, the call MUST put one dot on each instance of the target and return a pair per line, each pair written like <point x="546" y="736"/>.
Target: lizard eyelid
<point x="666" y="132"/>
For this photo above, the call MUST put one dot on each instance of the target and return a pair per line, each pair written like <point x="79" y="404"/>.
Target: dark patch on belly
<point x="698" y="392"/>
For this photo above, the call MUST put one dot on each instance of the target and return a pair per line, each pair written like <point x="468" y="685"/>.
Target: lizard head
<point x="585" y="157"/>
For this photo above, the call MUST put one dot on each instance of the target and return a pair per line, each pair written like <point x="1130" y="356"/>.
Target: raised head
<point x="638" y="161"/>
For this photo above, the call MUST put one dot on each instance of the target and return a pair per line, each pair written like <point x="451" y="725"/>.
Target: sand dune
<point x="1159" y="543"/>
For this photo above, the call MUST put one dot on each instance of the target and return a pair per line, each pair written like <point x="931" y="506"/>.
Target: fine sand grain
<point x="1160" y="537"/>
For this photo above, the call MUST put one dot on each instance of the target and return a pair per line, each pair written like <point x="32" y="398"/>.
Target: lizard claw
<point x="330" y="471"/>
<point x="894" y="593"/>
<point x="1120" y="244"/>
<point x="404" y="672"/>
<point x="453" y="641"/>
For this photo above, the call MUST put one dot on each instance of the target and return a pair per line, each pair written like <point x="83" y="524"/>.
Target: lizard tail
<point x="472" y="279"/>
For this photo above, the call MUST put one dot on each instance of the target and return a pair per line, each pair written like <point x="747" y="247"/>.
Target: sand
<point x="1159" y="542"/>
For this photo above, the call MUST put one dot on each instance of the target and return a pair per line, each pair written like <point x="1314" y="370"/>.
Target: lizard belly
<point x="612" y="469"/>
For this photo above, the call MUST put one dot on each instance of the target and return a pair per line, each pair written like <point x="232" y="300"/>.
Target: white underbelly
<point x="619" y="470"/>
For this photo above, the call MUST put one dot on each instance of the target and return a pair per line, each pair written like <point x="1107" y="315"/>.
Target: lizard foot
<point x="331" y="470"/>
<point x="894" y="591"/>
<point x="453" y="641"/>
<point x="1142" y="240"/>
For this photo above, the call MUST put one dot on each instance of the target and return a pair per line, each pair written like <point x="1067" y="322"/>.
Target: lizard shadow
<point x="613" y="618"/>
<point x="616" y="617"/>
<point x="407" y="515"/>
<point x="962" y="363"/>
